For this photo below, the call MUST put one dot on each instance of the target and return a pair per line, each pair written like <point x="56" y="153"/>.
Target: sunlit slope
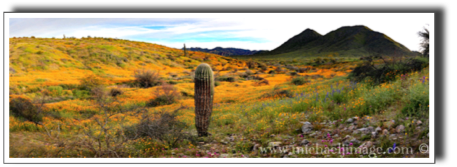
<point x="44" y="61"/>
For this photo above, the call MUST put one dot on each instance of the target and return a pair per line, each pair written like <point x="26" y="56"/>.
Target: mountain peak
<point x="297" y="41"/>
<point x="357" y="38"/>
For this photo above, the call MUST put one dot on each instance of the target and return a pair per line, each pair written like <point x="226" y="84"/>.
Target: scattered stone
<point x="256" y="146"/>
<point x="274" y="144"/>
<point x="363" y="130"/>
<point x="335" y="136"/>
<point x="393" y="137"/>
<point x="346" y="137"/>
<point x="356" y="132"/>
<point x="378" y="129"/>
<point x="224" y="156"/>
<point x="368" y="143"/>
<point x="307" y="127"/>
<point x="374" y="134"/>
<point x="354" y="141"/>
<point x="371" y="129"/>
<point x="351" y="128"/>
<point x="400" y="129"/>
<point x="385" y="132"/>
<point x="419" y="123"/>
<point x="312" y="134"/>
<point x="304" y="142"/>
<point x="349" y="120"/>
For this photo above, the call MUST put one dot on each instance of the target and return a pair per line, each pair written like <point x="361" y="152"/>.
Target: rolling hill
<point x="226" y="51"/>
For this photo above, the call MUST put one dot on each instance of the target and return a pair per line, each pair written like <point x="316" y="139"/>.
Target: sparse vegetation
<point x="97" y="105"/>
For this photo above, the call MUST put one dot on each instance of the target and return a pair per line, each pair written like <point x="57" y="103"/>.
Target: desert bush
<point x="278" y="91"/>
<point x="165" y="95"/>
<point x="279" y="70"/>
<point x="55" y="90"/>
<point x="147" y="78"/>
<point x="115" y="92"/>
<point x="90" y="81"/>
<point x="24" y="107"/>
<point x="293" y="73"/>
<point x="81" y="94"/>
<point x="99" y="92"/>
<point x="302" y="70"/>
<point x="261" y="82"/>
<point x="299" y="81"/>
<point x="263" y="66"/>
<point x="387" y="71"/>
<point x="226" y="78"/>
<point x="251" y="64"/>
<point x="162" y="125"/>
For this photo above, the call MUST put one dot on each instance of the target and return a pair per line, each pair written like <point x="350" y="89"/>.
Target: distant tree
<point x="425" y="42"/>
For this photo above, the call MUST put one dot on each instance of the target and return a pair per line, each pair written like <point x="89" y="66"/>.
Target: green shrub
<point x="55" y="90"/>
<point x="163" y="126"/>
<point x="90" y="81"/>
<point x="299" y="81"/>
<point x="23" y="107"/>
<point x="147" y="78"/>
<point x="167" y="94"/>
<point x="81" y="94"/>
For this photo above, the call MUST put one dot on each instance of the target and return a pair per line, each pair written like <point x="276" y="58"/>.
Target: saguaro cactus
<point x="204" y="91"/>
<point x="185" y="52"/>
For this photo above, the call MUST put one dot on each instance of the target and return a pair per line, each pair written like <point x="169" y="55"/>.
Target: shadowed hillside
<point x="226" y="51"/>
<point x="347" y="41"/>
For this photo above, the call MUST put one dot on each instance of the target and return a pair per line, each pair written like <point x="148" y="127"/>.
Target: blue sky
<point x="255" y="32"/>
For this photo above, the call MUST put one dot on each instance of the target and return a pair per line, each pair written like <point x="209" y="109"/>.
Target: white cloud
<point x="272" y="29"/>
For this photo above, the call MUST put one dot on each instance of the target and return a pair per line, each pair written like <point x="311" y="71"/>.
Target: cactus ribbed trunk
<point x="204" y="91"/>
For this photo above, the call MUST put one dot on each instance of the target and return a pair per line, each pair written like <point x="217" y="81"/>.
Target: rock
<point x="351" y="128"/>
<point x="378" y="129"/>
<point x="363" y="130"/>
<point x="312" y="134"/>
<point x="354" y="141"/>
<point x="385" y="132"/>
<point x="371" y="129"/>
<point x="374" y="134"/>
<point x="224" y="156"/>
<point x="347" y="137"/>
<point x="307" y="127"/>
<point x="256" y="146"/>
<point x="335" y="136"/>
<point x="12" y="70"/>
<point x="393" y="137"/>
<point x="400" y="128"/>
<point x="304" y="142"/>
<point x="356" y="132"/>
<point x="419" y="123"/>
<point x="349" y="120"/>
<point x="274" y="144"/>
<point x="367" y="144"/>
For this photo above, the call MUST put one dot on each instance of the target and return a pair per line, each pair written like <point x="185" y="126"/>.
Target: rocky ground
<point x="365" y="137"/>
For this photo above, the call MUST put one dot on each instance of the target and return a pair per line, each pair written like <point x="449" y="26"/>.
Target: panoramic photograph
<point x="295" y="85"/>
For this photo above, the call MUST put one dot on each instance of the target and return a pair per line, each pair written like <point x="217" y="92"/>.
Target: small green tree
<point x="425" y="35"/>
